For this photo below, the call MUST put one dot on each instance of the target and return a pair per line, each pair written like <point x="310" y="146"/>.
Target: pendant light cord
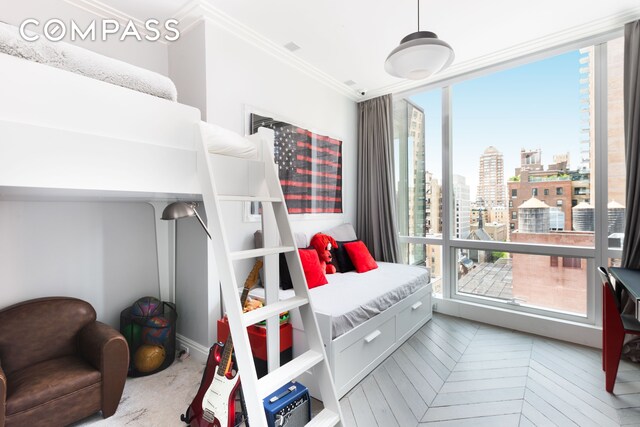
<point x="418" y="15"/>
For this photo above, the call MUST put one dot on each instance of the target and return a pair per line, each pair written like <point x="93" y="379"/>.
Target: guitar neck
<point x="225" y="361"/>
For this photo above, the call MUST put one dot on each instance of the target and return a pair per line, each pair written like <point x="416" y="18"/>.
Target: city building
<point x="462" y="202"/>
<point x="499" y="214"/>
<point x="553" y="190"/>
<point x="409" y="122"/>
<point x="561" y="287"/>
<point x="433" y="205"/>
<point x="530" y="160"/>
<point x="491" y="190"/>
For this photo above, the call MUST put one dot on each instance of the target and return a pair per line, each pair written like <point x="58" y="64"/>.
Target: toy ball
<point x="132" y="333"/>
<point x="148" y="358"/>
<point x="146" y="307"/>
<point x="156" y="331"/>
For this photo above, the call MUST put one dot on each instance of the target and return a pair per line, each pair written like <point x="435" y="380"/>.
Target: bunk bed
<point x="68" y="137"/>
<point x="65" y="134"/>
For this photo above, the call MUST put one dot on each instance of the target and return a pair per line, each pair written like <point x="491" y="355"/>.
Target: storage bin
<point x="150" y="329"/>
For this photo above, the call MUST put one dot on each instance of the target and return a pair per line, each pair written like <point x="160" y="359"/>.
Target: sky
<point x="532" y="106"/>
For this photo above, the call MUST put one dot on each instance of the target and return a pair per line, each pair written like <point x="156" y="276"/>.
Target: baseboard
<point x="197" y="351"/>
<point x="563" y="330"/>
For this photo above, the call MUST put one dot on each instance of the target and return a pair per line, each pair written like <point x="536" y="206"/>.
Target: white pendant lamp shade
<point x="419" y="55"/>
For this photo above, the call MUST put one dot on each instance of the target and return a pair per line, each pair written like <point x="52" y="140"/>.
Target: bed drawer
<point x="416" y="312"/>
<point x="357" y="356"/>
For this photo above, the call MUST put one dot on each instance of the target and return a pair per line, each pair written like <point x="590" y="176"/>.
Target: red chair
<point x="614" y="327"/>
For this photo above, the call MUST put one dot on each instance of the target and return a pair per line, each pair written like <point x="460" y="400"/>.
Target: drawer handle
<point x="372" y="336"/>
<point x="416" y="305"/>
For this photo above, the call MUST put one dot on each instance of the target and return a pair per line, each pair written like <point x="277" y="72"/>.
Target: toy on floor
<point x="148" y="358"/>
<point x="146" y="307"/>
<point x="323" y="243"/>
<point x="156" y="330"/>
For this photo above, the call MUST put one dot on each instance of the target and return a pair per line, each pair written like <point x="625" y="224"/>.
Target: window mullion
<point x="594" y="298"/>
<point x="448" y="255"/>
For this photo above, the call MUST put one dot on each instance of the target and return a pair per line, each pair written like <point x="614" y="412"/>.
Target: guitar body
<point x="216" y="396"/>
<point x="215" y="402"/>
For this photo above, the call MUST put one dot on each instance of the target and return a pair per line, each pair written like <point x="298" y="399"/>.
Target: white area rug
<point x="156" y="400"/>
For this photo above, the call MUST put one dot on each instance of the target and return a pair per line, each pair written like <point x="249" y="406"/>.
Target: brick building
<point x="551" y="187"/>
<point x="558" y="283"/>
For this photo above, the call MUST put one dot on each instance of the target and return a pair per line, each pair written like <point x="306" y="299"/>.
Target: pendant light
<point x="419" y="55"/>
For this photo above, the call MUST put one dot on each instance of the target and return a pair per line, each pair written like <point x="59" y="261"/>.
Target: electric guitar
<point x="214" y="404"/>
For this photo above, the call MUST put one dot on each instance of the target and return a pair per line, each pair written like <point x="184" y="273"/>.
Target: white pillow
<point x="300" y="239"/>
<point x="342" y="233"/>
<point x="219" y="140"/>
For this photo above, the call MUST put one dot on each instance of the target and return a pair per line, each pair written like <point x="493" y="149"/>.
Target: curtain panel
<point x="376" y="221"/>
<point x="631" y="247"/>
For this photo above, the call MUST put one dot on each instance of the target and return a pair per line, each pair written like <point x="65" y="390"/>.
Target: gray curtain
<point x="631" y="248"/>
<point x="376" y="223"/>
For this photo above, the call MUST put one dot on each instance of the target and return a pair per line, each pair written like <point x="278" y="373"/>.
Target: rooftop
<point x="489" y="279"/>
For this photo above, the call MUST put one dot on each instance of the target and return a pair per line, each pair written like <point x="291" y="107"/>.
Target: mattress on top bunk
<point x="353" y="298"/>
<point x="85" y="62"/>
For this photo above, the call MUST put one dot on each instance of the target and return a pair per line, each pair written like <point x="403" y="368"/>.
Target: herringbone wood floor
<point x="454" y="372"/>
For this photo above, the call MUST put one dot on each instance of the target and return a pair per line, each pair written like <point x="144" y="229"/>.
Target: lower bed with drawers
<point x="363" y="318"/>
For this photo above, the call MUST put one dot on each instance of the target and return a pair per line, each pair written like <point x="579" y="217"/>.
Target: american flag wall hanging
<point x="309" y="165"/>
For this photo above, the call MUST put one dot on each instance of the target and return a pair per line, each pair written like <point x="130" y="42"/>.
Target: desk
<point x="630" y="280"/>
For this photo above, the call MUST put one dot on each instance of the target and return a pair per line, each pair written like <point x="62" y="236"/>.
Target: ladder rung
<point x="254" y="316"/>
<point x="326" y="417"/>
<point x="263" y="199"/>
<point x="285" y="373"/>
<point x="255" y="253"/>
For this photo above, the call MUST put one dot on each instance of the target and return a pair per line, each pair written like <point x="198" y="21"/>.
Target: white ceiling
<point x="350" y="40"/>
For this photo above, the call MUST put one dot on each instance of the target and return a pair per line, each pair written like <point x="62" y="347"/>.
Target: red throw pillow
<point x="312" y="268"/>
<point x="360" y="256"/>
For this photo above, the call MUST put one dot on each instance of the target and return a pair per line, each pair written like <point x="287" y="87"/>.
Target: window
<point x="553" y="99"/>
<point x="571" y="262"/>
<point x="508" y="276"/>
<point x="417" y="156"/>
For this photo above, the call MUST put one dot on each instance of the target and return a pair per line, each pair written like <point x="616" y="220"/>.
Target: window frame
<point x="594" y="256"/>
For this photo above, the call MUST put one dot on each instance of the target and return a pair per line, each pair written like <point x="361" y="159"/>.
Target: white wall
<point x="241" y="76"/>
<point x="150" y="55"/>
<point x="187" y="68"/>
<point x="235" y="76"/>
<point x="103" y="253"/>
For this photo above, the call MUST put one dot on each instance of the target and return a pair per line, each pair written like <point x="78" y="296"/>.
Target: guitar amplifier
<point x="289" y="406"/>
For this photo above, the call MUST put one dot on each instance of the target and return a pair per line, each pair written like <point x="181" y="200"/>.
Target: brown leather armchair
<point x="58" y="364"/>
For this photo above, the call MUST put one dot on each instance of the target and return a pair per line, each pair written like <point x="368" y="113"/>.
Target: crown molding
<point x="572" y="35"/>
<point x="105" y="11"/>
<point x="198" y="10"/>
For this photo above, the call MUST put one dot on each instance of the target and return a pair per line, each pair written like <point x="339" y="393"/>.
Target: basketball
<point x="148" y="358"/>
<point x="156" y="331"/>
<point x="132" y="333"/>
<point x="146" y="307"/>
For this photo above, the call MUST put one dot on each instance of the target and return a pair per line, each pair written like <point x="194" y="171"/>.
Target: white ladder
<point x="315" y="359"/>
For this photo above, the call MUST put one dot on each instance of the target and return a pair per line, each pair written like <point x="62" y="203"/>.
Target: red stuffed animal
<point x="323" y="243"/>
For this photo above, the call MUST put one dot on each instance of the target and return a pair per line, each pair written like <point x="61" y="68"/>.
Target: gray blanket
<point x="81" y="61"/>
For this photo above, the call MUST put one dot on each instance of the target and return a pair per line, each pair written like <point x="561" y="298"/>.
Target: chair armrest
<point x="3" y="394"/>
<point x="107" y="350"/>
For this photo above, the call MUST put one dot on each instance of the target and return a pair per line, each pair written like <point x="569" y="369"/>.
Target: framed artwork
<point x="309" y="167"/>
